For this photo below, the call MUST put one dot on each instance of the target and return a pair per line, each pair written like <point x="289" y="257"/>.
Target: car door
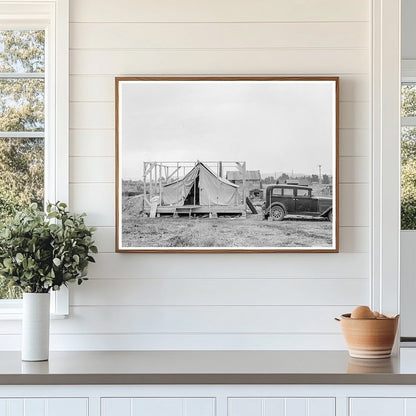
<point x="305" y="204"/>
<point x="288" y="200"/>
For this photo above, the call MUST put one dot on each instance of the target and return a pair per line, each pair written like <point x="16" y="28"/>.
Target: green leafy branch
<point x="42" y="251"/>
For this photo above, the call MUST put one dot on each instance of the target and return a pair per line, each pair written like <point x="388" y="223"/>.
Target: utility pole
<point x="320" y="175"/>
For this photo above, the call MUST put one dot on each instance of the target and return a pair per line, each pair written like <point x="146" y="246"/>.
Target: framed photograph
<point x="226" y="164"/>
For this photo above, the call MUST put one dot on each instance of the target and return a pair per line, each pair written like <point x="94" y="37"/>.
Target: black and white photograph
<point x="227" y="164"/>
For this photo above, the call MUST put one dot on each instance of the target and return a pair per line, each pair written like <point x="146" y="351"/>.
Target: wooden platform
<point x="190" y="210"/>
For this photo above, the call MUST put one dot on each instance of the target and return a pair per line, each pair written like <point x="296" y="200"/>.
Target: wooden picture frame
<point x="178" y="188"/>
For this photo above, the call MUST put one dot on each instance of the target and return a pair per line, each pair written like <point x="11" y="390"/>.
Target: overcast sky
<point x="275" y="126"/>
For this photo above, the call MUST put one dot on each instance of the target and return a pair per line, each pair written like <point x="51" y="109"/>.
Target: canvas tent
<point x="200" y="186"/>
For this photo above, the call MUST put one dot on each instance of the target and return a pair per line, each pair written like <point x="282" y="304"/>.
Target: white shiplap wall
<point x="156" y="301"/>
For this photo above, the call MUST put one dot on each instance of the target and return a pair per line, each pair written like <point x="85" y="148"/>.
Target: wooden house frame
<point x="156" y="174"/>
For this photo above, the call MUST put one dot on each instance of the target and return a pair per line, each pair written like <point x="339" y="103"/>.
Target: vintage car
<point x="282" y="199"/>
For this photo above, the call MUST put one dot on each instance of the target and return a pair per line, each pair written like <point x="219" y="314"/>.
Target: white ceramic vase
<point x="35" y="326"/>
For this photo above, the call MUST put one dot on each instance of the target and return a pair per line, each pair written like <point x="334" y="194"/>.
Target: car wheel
<point x="330" y="216"/>
<point x="277" y="213"/>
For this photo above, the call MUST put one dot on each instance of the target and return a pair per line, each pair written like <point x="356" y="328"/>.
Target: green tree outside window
<point x="22" y="124"/>
<point x="408" y="160"/>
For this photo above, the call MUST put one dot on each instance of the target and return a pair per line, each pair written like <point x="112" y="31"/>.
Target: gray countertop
<point x="207" y="367"/>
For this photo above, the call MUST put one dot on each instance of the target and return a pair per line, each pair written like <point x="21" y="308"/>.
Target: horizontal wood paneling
<point x="353" y="115"/>
<point x="176" y="299"/>
<point x="100" y="115"/>
<point x="230" y="61"/>
<point x="91" y="169"/>
<point x="354" y="239"/>
<point x="96" y="143"/>
<point x="217" y="11"/>
<point x="104" y="238"/>
<point x="354" y="202"/>
<point x="217" y="291"/>
<point x="354" y="142"/>
<point x="96" y="199"/>
<point x="218" y="35"/>
<point x="184" y="341"/>
<point x="101" y="88"/>
<point x="201" y="319"/>
<point x="353" y="169"/>
<point x="194" y="320"/>
<point x="92" y="115"/>
<point x="231" y="266"/>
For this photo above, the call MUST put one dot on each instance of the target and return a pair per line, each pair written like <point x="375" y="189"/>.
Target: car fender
<point x="326" y="212"/>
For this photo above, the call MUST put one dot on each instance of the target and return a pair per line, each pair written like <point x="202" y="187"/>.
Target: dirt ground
<point x="253" y="231"/>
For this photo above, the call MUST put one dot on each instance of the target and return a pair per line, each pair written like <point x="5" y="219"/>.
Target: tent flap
<point x="212" y="189"/>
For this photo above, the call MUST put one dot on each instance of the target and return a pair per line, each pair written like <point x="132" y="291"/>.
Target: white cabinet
<point x="208" y="400"/>
<point x="383" y="406"/>
<point x="44" y="407"/>
<point x="281" y="407"/>
<point x="157" y="406"/>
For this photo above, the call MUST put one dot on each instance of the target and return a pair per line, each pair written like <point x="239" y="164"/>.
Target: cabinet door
<point x="155" y="406"/>
<point x="272" y="406"/>
<point x="382" y="406"/>
<point x="44" y="407"/>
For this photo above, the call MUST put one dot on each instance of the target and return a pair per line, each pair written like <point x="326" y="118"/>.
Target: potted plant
<point x="40" y="252"/>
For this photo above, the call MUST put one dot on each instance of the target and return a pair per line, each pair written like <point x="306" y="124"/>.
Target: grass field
<point x="140" y="231"/>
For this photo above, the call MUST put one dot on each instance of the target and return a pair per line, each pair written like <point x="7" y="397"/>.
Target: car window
<point x="303" y="192"/>
<point x="288" y="191"/>
<point x="277" y="191"/>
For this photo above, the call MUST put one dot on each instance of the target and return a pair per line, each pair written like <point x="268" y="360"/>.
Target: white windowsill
<point x="11" y="309"/>
<point x="17" y="316"/>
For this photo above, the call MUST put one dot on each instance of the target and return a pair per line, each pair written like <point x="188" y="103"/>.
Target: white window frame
<point x="53" y="17"/>
<point x="385" y="169"/>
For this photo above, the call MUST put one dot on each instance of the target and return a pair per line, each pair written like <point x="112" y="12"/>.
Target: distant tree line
<point x="304" y="180"/>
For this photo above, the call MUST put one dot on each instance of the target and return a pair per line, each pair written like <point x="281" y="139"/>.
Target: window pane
<point x="21" y="182"/>
<point x="287" y="191"/>
<point x="21" y="173"/>
<point x="22" y="105"/>
<point x="22" y="109"/>
<point x="303" y="192"/>
<point x="408" y="100"/>
<point x="22" y="51"/>
<point x="408" y="178"/>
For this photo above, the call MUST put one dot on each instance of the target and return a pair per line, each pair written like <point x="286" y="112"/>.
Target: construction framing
<point x="156" y="174"/>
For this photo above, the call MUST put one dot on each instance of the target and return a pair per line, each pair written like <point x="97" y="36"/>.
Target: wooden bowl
<point x="369" y="366"/>
<point x="369" y="338"/>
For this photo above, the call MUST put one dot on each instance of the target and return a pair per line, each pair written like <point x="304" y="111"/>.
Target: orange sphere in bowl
<point x="362" y="312"/>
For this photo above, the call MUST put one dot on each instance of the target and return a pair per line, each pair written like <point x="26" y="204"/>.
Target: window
<point x="277" y="191"/>
<point x="288" y="191"/>
<point x="33" y="111"/>
<point x="22" y="124"/>
<point x="303" y="192"/>
<point x="408" y="154"/>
